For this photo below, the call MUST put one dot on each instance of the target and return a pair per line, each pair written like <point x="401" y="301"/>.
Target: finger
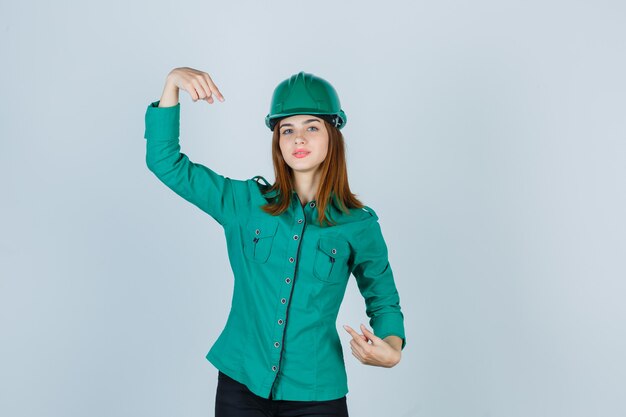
<point x="205" y="86"/>
<point x="364" y="349"/>
<point x="353" y="332"/>
<point x="349" y="330"/>
<point x="354" y="345"/>
<point x="199" y="89"/>
<point x="188" y="86"/>
<point x="361" y="356"/>
<point x="360" y="340"/>
<point x="356" y="355"/>
<point x="214" y="88"/>
<point x="368" y="334"/>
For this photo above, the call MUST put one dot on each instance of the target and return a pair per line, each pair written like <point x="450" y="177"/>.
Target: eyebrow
<point x="305" y="122"/>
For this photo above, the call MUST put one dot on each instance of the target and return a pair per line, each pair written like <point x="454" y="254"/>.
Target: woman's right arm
<point x="196" y="183"/>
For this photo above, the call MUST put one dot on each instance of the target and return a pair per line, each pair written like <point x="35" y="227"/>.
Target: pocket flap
<point x="334" y="247"/>
<point x="262" y="227"/>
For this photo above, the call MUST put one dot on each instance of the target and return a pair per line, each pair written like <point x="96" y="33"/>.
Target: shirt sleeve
<point x="375" y="280"/>
<point x="196" y="183"/>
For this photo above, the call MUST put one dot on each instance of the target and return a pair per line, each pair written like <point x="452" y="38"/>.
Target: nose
<point x="299" y="139"/>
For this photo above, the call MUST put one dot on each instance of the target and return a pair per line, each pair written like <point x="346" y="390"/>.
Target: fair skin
<point x="304" y="132"/>
<point x="296" y="132"/>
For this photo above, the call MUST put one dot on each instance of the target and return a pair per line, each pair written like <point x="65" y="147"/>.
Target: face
<point x="307" y="133"/>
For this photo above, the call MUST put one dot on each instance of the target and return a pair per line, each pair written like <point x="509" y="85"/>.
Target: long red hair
<point x="334" y="179"/>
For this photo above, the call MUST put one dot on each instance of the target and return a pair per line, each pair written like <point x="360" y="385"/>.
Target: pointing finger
<point x="214" y="88"/>
<point x="359" y="339"/>
<point x="368" y="333"/>
<point x="353" y="333"/>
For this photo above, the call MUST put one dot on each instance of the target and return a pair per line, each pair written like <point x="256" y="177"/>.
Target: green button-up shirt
<point x="290" y="275"/>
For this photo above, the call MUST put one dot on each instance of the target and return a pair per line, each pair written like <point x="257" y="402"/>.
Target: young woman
<point x="292" y="246"/>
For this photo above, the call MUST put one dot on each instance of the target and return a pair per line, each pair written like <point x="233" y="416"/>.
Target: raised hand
<point x="197" y="83"/>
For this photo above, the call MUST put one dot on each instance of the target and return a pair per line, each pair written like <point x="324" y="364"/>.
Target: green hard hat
<point x="305" y="93"/>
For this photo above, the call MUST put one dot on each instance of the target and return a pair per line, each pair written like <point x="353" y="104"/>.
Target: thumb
<point x="371" y="336"/>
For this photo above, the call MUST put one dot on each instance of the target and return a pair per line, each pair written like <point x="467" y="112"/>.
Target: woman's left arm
<point x="376" y="283"/>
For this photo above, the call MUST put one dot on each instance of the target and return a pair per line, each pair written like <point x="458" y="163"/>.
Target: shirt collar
<point x="273" y="193"/>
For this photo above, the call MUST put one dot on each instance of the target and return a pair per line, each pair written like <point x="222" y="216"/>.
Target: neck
<point x="306" y="184"/>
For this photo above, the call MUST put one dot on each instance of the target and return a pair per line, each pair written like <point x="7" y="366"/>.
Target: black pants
<point x="234" y="399"/>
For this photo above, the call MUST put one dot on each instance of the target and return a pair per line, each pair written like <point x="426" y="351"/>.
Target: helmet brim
<point x="337" y="119"/>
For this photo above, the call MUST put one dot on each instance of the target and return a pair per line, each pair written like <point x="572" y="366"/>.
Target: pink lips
<point x="301" y="154"/>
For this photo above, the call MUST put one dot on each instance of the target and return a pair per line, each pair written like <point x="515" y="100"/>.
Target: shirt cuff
<point x="389" y="324"/>
<point x="162" y="123"/>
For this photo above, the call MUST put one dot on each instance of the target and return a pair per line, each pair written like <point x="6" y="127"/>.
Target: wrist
<point x="395" y="342"/>
<point x="170" y="94"/>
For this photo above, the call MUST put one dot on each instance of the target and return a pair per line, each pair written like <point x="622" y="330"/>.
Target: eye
<point x="287" y="131"/>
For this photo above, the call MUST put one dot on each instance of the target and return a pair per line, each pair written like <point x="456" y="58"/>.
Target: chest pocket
<point x="259" y="238"/>
<point x="331" y="259"/>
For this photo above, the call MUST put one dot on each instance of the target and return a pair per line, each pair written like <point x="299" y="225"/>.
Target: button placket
<point x="290" y="272"/>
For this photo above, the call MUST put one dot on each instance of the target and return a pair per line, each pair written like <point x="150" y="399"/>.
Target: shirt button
<point x="299" y="220"/>
<point x="280" y="321"/>
<point x="287" y="280"/>
<point x="282" y="300"/>
<point x="312" y="204"/>
<point x="276" y="344"/>
<point x="295" y="237"/>
<point x="273" y="368"/>
<point x="291" y="260"/>
<point x="257" y="231"/>
<point x="334" y="251"/>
